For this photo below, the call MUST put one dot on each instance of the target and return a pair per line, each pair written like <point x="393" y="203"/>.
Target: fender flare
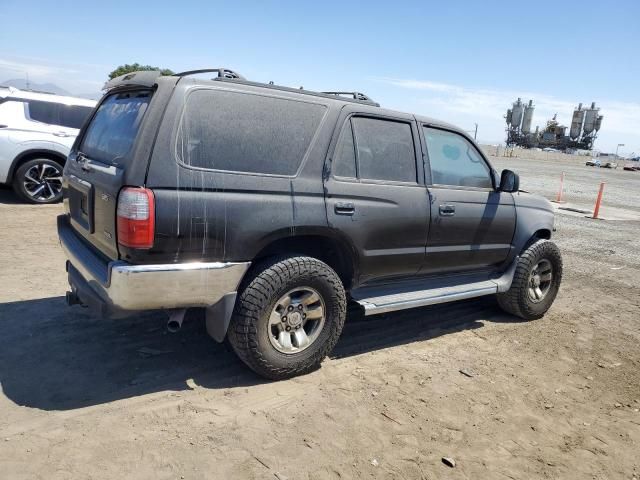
<point x="31" y="152"/>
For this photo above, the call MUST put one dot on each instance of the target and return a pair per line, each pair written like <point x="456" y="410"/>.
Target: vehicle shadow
<point x="364" y="334"/>
<point x="53" y="357"/>
<point x="8" y="196"/>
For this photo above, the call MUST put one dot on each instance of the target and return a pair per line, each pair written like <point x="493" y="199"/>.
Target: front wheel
<point x="535" y="283"/>
<point x="288" y="317"/>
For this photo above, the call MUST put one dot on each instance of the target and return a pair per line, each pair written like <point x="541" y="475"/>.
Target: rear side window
<point x="70" y="116"/>
<point x="73" y="116"/>
<point x="455" y="161"/>
<point x="385" y="150"/>
<point x="246" y="133"/>
<point x="114" y="127"/>
<point x="344" y="159"/>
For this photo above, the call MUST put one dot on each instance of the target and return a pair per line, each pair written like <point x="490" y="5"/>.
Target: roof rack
<point x="222" y="73"/>
<point x="148" y="78"/>
<point x="355" y="95"/>
<point x="228" y="74"/>
<point x="345" y="96"/>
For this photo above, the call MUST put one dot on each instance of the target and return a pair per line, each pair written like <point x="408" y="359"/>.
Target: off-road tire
<point x="248" y="331"/>
<point x="19" y="177"/>
<point x="516" y="300"/>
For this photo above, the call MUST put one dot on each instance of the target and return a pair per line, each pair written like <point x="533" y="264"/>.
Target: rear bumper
<point x="117" y="287"/>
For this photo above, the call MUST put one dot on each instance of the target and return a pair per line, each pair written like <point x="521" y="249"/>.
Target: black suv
<point x="274" y="207"/>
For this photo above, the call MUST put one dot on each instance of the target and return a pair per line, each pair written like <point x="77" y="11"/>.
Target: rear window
<point x="114" y="127"/>
<point x="70" y="116"/>
<point x="246" y="133"/>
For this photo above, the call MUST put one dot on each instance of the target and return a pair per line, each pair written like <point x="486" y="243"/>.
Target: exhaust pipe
<point x="72" y="299"/>
<point x="176" y="317"/>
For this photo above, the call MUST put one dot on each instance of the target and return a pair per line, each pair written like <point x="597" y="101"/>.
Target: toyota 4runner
<point x="272" y="208"/>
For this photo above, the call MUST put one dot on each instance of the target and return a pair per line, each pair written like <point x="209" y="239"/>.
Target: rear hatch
<point x="107" y="155"/>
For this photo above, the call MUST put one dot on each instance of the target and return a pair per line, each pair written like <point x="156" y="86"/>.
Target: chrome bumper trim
<point x="123" y="286"/>
<point x="198" y="284"/>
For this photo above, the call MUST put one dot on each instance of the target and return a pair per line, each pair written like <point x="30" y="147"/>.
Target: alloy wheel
<point x="43" y="182"/>
<point x="296" y="320"/>
<point x="540" y="280"/>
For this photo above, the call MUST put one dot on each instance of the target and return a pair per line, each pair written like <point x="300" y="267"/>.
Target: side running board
<point x="419" y="298"/>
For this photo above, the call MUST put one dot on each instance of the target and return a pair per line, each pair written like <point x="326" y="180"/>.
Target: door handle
<point x="447" y="210"/>
<point x="344" y="208"/>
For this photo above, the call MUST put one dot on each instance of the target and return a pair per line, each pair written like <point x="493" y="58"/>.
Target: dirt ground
<point x="554" y="398"/>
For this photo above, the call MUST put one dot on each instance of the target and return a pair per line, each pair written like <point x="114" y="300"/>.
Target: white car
<point x="36" y="134"/>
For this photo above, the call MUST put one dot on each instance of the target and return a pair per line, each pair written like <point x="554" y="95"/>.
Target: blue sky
<point x="460" y="61"/>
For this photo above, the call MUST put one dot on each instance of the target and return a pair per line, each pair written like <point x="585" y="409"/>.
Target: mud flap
<point x="218" y="316"/>
<point x="506" y="279"/>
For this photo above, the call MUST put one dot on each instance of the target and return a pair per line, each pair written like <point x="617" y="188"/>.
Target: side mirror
<point x="509" y="181"/>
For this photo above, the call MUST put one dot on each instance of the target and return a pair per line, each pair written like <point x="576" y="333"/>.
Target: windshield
<point x="114" y="127"/>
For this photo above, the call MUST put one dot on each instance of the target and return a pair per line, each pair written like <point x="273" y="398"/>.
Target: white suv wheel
<point x="39" y="181"/>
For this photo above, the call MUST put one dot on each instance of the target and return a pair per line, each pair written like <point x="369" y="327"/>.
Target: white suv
<point x="36" y="134"/>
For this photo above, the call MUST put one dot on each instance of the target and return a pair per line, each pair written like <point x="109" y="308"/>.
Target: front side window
<point x="385" y="150"/>
<point x="246" y="133"/>
<point x="455" y="161"/>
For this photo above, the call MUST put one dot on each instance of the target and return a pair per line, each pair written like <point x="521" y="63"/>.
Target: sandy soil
<point x="554" y="398"/>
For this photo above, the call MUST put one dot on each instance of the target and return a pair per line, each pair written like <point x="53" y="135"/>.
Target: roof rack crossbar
<point x="222" y="73"/>
<point x="355" y="95"/>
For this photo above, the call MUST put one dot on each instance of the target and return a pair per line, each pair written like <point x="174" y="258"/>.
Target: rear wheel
<point x="535" y="283"/>
<point x="39" y="181"/>
<point x="288" y="317"/>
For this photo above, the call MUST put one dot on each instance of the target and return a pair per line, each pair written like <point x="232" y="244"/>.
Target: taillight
<point x="136" y="217"/>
